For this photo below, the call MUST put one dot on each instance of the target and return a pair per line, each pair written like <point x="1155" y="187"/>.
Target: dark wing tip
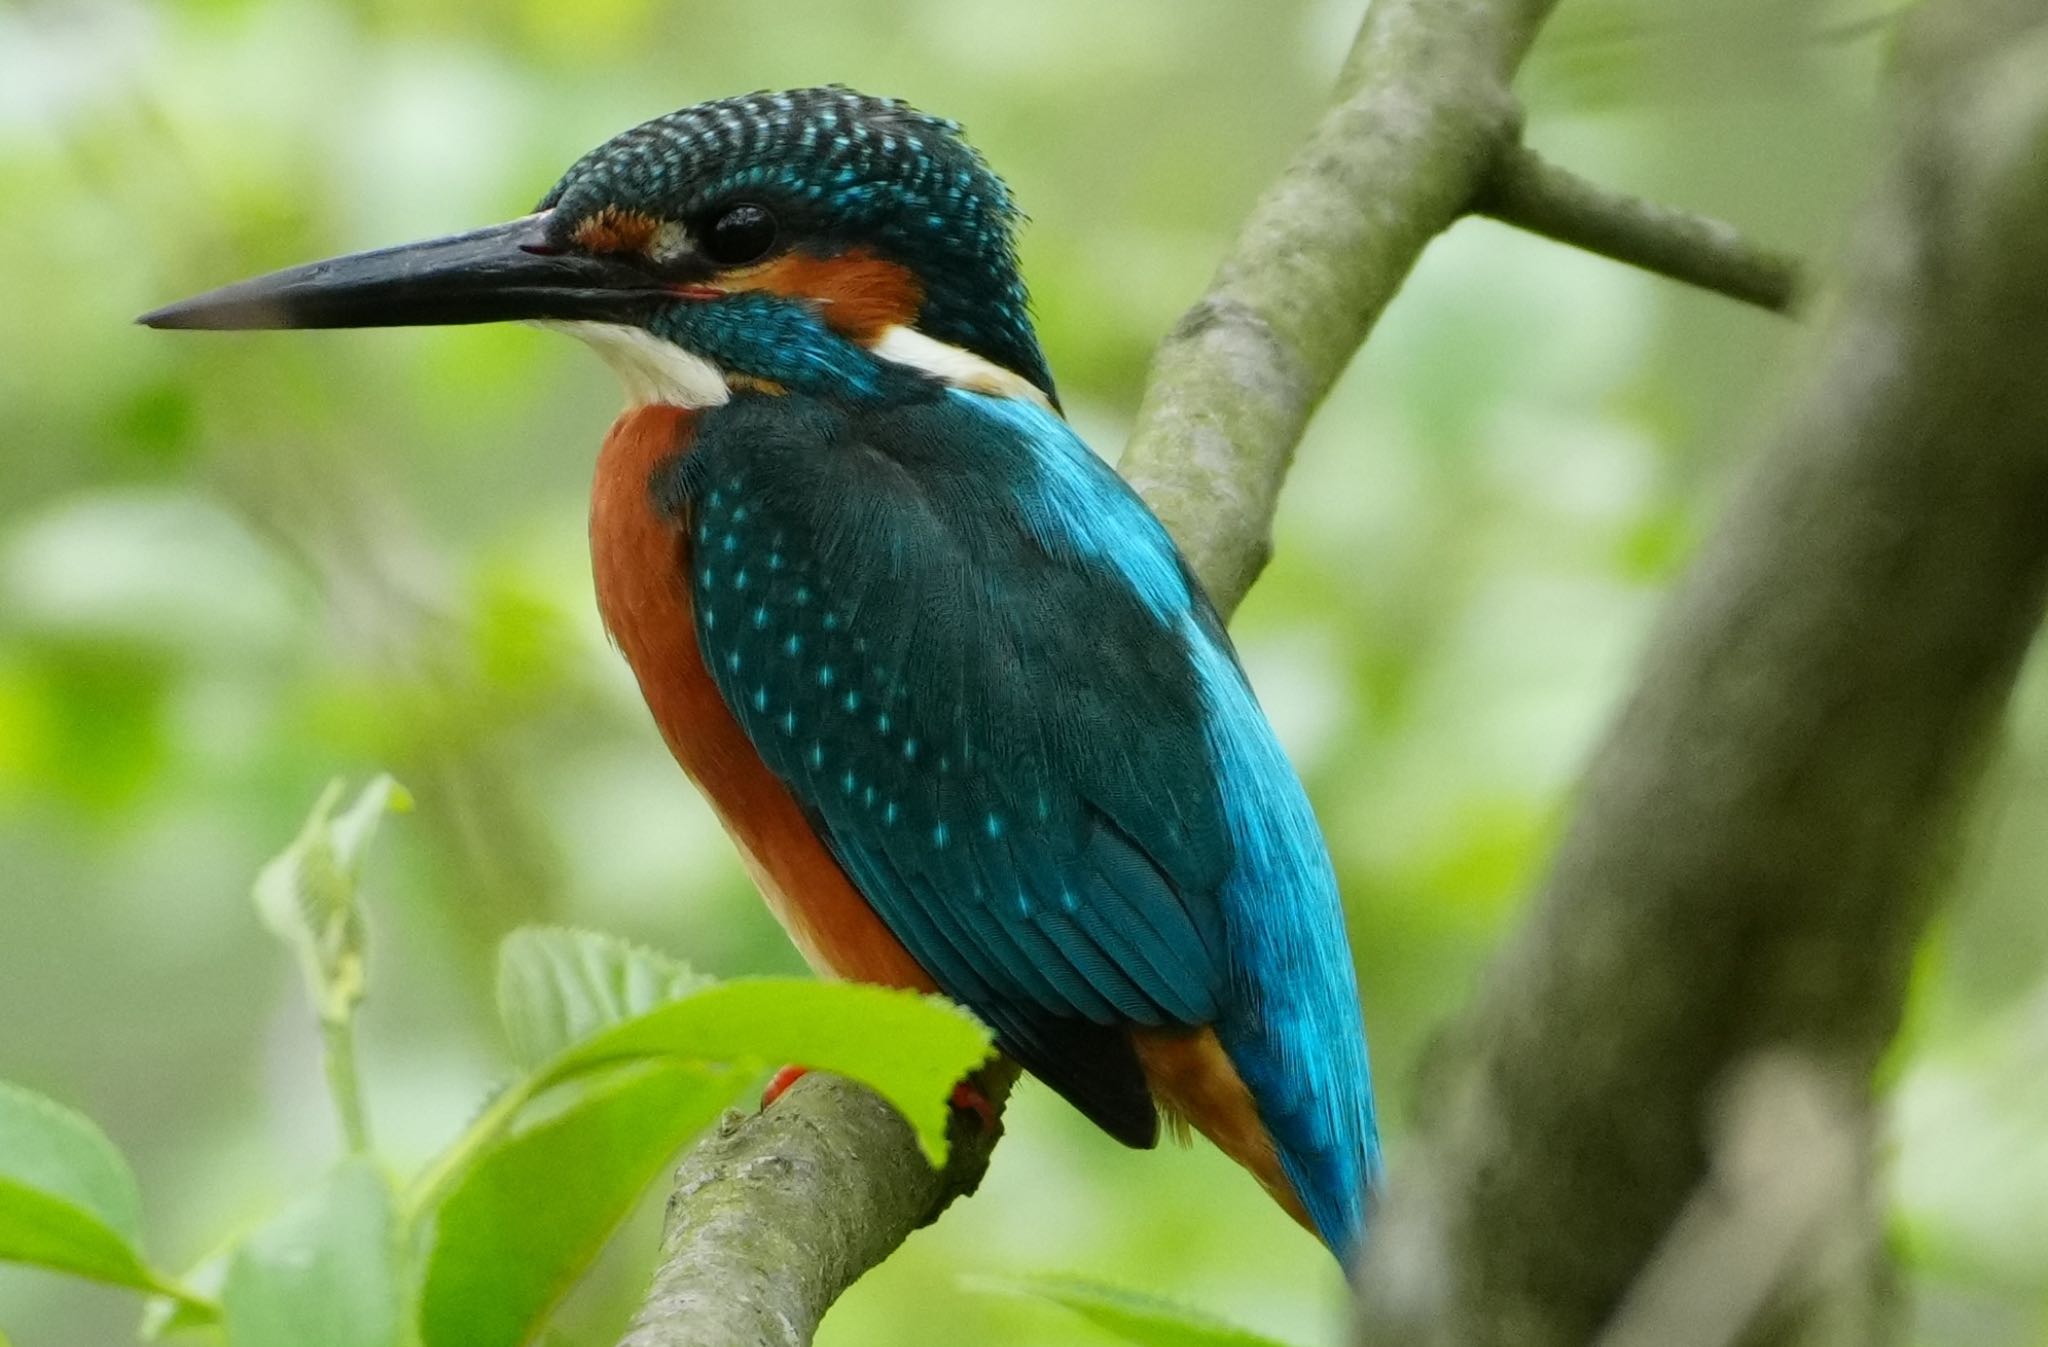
<point x="1095" y="1068"/>
<point x="1135" y="1125"/>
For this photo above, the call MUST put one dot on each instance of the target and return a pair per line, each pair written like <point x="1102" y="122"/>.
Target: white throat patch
<point x="653" y="371"/>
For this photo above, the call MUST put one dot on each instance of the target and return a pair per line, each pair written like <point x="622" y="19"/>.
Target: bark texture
<point x="1752" y="858"/>
<point x="775" y="1214"/>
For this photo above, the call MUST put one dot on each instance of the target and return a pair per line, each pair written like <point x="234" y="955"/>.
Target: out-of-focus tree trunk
<point x="1656" y="1119"/>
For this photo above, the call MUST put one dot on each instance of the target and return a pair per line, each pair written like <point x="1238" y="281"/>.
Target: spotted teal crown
<point x="840" y="169"/>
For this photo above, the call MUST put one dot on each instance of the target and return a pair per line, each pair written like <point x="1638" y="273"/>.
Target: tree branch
<point x="1527" y="191"/>
<point x="1752" y="859"/>
<point x="775" y="1214"/>
<point x="1420" y="115"/>
<point x="1786" y="1159"/>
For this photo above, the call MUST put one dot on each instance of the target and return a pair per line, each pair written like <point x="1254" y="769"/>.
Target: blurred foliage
<point x="1147" y="1321"/>
<point x="233" y="566"/>
<point x="627" y="1055"/>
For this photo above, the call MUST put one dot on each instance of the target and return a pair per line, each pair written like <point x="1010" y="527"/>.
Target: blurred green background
<point x="233" y="566"/>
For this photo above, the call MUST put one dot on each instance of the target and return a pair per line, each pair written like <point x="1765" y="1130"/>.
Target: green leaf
<point x="324" y="1273"/>
<point x="307" y="894"/>
<point x="51" y="1232"/>
<point x="50" y="1148"/>
<point x="557" y="987"/>
<point x="357" y="826"/>
<point x="165" y="1316"/>
<point x="67" y="1199"/>
<point x="908" y="1048"/>
<point x="525" y="1220"/>
<point x="1132" y="1316"/>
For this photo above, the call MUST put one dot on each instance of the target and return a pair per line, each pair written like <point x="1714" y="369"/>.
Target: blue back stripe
<point x="1082" y="508"/>
<point x="1301" y="1047"/>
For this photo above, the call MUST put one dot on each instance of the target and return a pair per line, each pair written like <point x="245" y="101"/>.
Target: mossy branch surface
<point x="775" y="1214"/>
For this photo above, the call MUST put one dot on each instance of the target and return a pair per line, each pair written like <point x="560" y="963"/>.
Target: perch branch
<point x="1754" y="849"/>
<point x="775" y="1214"/>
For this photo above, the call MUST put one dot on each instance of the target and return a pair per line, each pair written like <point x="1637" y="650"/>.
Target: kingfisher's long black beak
<point x="506" y="271"/>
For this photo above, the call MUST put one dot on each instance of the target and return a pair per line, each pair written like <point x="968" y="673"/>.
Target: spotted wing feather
<point x="998" y="740"/>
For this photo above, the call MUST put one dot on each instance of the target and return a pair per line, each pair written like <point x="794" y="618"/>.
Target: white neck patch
<point x="653" y="371"/>
<point x="955" y="365"/>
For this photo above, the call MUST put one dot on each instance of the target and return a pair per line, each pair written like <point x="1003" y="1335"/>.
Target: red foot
<point x="970" y="1100"/>
<point x="966" y="1097"/>
<point x="781" y="1081"/>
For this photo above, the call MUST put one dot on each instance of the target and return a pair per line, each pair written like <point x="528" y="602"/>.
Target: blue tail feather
<point x="1289" y="1018"/>
<point x="1294" y="1030"/>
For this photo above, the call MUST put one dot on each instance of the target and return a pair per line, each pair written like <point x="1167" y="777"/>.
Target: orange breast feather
<point x="641" y="561"/>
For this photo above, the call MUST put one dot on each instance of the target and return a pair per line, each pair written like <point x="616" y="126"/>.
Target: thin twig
<point x="1529" y="192"/>
<point x="344" y="1083"/>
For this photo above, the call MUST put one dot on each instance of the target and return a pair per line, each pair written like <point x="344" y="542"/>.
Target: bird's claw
<point x="779" y="1083"/>
<point x="968" y="1099"/>
<point x="965" y="1098"/>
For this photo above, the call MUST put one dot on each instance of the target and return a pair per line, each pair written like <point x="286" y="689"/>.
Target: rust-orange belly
<point x="641" y="562"/>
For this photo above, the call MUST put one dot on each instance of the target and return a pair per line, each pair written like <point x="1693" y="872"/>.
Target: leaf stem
<point x="344" y="1083"/>
<point x="495" y="1118"/>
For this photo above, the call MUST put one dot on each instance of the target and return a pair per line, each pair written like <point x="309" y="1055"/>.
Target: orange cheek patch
<point x="613" y="230"/>
<point x="858" y="293"/>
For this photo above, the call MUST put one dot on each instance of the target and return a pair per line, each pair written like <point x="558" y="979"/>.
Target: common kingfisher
<point x="947" y="681"/>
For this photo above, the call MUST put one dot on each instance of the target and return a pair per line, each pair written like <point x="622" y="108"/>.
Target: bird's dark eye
<point x="739" y="234"/>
